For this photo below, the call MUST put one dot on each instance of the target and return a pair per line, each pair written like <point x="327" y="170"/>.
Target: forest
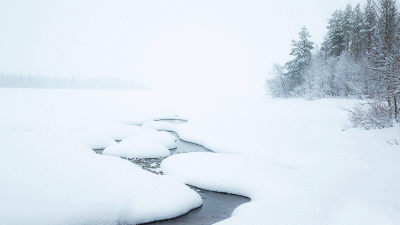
<point x="43" y="82"/>
<point x="358" y="58"/>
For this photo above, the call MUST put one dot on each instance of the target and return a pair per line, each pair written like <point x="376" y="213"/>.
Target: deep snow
<point x="51" y="175"/>
<point x="297" y="160"/>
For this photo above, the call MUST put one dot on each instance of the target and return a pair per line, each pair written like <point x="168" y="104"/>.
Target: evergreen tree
<point x="347" y="22"/>
<point x="369" y="28"/>
<point x="360" y="56"/>
<point x="336" y="34"/>
<point x="302" y="53"/>
<point x="357" y="27"/>
<point x="325" y="48"/>
<point x="386" y="52"/>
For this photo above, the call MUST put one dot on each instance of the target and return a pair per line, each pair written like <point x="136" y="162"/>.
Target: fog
<point x="204" y="47"/>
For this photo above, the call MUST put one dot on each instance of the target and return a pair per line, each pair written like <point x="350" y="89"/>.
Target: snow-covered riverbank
<point x="295" y="159"/>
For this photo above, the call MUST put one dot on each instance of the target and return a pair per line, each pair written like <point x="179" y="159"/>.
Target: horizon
<point x="196" y="46"/>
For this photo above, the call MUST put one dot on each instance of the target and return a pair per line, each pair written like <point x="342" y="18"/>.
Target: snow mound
<point x="329" y="191"/>
<point x="92" y="140"/>
<point x="161" y="125"/>
<point x="121" y="131"/>
<point x="137" y="149"/>
<point x="47" y="180"/>
<point x="164" y="139"/>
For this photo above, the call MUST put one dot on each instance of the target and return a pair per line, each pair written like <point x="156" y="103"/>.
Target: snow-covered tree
<point x="356" y="36"/>
<point x="302" y="52"/>
<point x="316" y="77"/>
<point x="278" y="85"/>
<point x="368" y="30"/>
<point x="347" y="24"/>
<point x="336" y="34"/>
<point x="386" y="52"/>
<point x="345" y="74"/>
<point x="360" y="56"/>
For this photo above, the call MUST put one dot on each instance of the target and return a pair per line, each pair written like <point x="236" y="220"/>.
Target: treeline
<point x="359" y="57"/>
<point x="29" y="81"/>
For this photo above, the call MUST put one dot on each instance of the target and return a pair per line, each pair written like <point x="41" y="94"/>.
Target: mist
<point x="204" y="47"/>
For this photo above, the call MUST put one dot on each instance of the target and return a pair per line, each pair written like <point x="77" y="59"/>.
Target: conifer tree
<point x="337" y="41"/>
<point x="302" y="53"/>
<point x="347" y="22"/>
<point x="369" y="28"/>
<point x="386" y="52"/>
<point x="357" y="27"/>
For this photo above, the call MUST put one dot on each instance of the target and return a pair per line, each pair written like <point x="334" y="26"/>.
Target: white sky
<point x="204" y="46"/>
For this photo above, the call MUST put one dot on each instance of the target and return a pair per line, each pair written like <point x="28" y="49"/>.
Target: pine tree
<point x="369" y="28"/>
<point x="336" y="34"/>
<point x="357" y="26"/>
<point x="386" y="52"/>
<point x="302" y="53"/>
<point x="347" y="22"/>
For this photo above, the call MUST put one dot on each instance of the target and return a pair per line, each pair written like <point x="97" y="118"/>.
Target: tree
<point x="356" y="36"/>
<point x="345" y="74"/>
<point x="316" y="76"/>
<point x="369" y="28"/>
<point x="386" y="52"/>
<point x="277" y="86"/>
<point x="302" y="53"/>
<point x="336" y="34"/>
<point x="347" y="22"/>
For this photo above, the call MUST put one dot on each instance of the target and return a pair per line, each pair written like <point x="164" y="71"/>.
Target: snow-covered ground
<point x="51" y="175"/>
<point x="297" y="160"/>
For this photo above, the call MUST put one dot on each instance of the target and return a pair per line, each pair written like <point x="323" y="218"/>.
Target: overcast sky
<point x="185" y="45"/>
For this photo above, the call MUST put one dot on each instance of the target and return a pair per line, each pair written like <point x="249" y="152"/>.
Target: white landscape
<point x="298" y="161"/>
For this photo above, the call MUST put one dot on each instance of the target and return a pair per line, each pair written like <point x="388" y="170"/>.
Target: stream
<point x="216" y="206"/>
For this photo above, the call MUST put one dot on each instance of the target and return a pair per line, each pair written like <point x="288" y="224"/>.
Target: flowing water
<point x="216" y="206"/>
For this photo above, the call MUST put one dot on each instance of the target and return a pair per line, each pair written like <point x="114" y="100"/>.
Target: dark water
<point x="216" y="206"/>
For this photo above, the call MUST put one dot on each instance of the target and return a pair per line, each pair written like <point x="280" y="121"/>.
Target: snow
<point x="161" y="125"/>
<point x="137" y="149"/>
<point x="51" y="175"/>
<point x="162" y="138"/>
<point x="154" y="144"/>
<point x="47" y="180"/>
<point x="298" y="161"/>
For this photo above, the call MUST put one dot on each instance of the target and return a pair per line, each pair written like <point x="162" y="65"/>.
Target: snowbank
<point x="163" y="138"/>
<point x="137" y="149"/>
<point x="295" y="159"/>
<point x="51" y="175"/>
<point x="47" y="180"/>
<point x="149" y="145"/>
<point x="161" y="125"/>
